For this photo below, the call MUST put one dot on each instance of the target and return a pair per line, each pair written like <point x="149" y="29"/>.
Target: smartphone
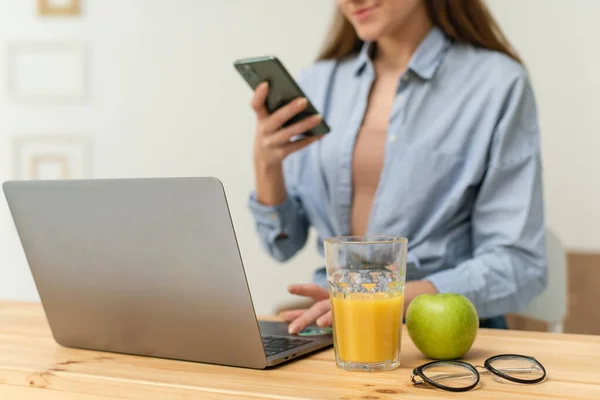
<point x="282" y="88"/>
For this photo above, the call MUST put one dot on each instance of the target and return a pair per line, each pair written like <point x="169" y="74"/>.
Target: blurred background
<point x="145" y="88"/>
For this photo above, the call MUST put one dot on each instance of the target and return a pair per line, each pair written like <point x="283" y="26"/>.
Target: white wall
<point x="558" y="41"/>
<point x="165" y="101"/>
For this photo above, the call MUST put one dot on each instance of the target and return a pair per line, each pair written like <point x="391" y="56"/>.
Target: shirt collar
<point x="425" y="60"/>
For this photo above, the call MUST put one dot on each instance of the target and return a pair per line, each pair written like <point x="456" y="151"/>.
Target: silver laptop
<point x="147" y="266"/>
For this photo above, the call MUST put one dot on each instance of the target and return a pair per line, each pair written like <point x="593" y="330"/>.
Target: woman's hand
<point x="321" y="309"/>
<point x="272" y="143"/>
<point x="319" y="312"/>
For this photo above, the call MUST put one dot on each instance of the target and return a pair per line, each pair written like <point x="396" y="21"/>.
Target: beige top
<point x="369" y="151"/>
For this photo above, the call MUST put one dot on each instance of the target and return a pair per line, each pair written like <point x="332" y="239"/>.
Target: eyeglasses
<point x="460" y="376"/>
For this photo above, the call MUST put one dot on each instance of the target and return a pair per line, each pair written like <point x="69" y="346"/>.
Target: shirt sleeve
<point x="508" y="267"/>
<point x="283" y="228"/>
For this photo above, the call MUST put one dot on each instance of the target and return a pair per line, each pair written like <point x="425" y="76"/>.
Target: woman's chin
<point x="368" y="33"/>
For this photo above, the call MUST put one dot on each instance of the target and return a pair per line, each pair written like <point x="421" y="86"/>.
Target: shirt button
<point x="392" y="138"/>
<point x="405" y="77"/>
<point x="273" y="216"/>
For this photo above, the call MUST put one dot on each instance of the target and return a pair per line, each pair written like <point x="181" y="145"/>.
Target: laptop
<point x="147" y="266"/>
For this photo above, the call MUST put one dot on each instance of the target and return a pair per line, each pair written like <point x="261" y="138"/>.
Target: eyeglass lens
<point x="517" y="367"/>
<point x="450" y="375"/>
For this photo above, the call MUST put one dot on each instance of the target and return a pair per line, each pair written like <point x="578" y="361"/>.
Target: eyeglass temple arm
<point x="464" y="375"/>
<point x="416" y="379"/>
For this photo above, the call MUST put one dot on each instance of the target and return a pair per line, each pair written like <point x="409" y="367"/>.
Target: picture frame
<point x="51" y="165"/>
<point x="51" y="157"/>
<point x="48" y="73"/>
<point x="59" y="7"/>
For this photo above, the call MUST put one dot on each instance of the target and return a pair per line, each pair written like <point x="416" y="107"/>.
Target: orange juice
<point x="367" y="326"/>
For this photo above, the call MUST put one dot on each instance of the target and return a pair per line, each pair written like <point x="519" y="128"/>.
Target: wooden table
<point x="33" y="366"/>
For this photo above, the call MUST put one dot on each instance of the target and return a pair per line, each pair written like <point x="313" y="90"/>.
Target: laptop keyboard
<point x="278" y="344"/>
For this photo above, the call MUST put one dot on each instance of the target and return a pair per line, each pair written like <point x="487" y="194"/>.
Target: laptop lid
<point x="146" y="266"/>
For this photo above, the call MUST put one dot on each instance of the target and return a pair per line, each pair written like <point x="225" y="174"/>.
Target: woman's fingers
<point x="283" y="136"/>
<point x="300" y="144"/>
<point x="291" y="315"/>
<point x="325" y="320"/>
<point x="282" y="115"/>
<point x="311" y="315"/>
<point x="311" y="290"/>
<point x="258" y="100"/>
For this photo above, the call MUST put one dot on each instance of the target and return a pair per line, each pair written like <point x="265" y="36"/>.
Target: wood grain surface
<point x="33" y="366"/>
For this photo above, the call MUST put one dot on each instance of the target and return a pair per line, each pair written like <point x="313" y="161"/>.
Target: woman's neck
<point x="393" y="52"/>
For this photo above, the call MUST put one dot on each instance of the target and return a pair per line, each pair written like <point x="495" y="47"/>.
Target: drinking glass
<point x="366" y="277"/>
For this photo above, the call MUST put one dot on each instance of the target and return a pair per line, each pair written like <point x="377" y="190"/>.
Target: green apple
<point x="442" y="326"/>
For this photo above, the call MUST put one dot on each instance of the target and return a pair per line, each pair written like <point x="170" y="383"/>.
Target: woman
<point x="434" y="137"/>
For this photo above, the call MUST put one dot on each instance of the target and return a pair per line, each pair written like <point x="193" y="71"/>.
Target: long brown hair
<point x="465" y="21"/>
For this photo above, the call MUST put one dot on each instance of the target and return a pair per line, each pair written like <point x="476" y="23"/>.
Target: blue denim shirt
<point x="462" y="174"/>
